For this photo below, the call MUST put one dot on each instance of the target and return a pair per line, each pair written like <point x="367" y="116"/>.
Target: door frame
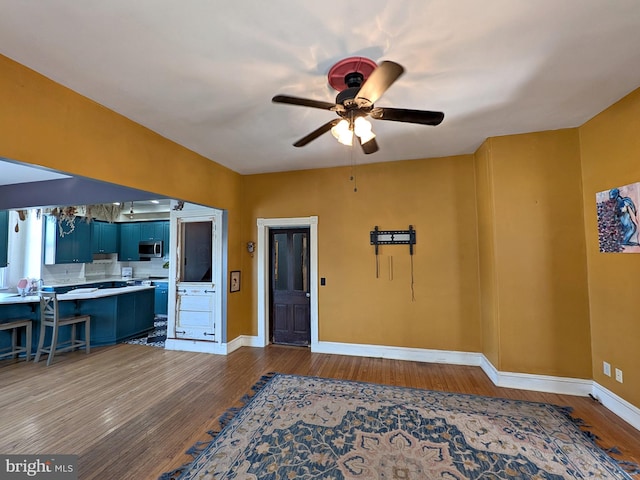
<point x="264" y="315"/>
<point x="193" y="212"/>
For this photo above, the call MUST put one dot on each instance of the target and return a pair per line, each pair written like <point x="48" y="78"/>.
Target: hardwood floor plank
<point x="131" y="411"/>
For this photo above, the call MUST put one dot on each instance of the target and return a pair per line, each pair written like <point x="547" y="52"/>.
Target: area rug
<point x="155" y="338"/>
<point x="315" y="428"/>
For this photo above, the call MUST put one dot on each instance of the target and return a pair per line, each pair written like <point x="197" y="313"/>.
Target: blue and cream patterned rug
<point x="315" y="428"/>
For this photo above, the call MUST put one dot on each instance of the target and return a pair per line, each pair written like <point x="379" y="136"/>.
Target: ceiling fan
<point x="360" y="83"/>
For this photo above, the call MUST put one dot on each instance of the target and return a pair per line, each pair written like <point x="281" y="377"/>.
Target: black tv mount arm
<point x="393" y="237"/>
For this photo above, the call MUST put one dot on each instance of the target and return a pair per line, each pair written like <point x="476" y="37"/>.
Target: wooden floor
<point x="130" y="411"/>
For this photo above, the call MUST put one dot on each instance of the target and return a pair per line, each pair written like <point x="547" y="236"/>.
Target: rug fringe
<point x="224" y="419"/>
<point x="631" y="468"/>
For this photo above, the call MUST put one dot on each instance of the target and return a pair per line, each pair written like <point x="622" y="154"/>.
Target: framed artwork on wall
<point x="234" y="281"/>
<point x="617" y="210"/>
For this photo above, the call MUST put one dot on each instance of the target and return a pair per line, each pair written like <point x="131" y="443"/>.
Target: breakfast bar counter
<point x="116" y="313"/>
<point x="76" y="294"/>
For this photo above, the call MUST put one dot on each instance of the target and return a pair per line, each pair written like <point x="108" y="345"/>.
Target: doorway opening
<point x="196" y="315"/>
<point x="264" y="279"/>
<point x="289" y="286"/>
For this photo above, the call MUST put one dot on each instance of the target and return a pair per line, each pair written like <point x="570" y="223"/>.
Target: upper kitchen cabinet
<point x="151" y="231"/>
<point x="131" y="234"/>
<point x="104" y="237"/>
<point x="72" y="247"/>
<point x="129" y="240"/>
<point x="166" y="237"/>
<point x="4" y="237"/>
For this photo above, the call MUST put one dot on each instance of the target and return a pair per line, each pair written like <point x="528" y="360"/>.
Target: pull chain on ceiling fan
<point x="360" y="83"/>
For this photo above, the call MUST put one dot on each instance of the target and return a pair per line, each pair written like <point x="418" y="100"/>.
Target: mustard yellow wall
<point x="610" y="145"/>
<point x="43" y="123"/>
<point x="539" y="249"/>
<point x="487" y="255"/>
<point x="437" y="197"/>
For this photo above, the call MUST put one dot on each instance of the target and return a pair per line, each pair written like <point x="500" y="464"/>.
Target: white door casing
<point x="195" y="308"/>
<point x="264" y="224"/>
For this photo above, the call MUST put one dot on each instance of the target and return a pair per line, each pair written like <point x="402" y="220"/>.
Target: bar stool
<point x="14" y="326"/>
<point x="50" y="317"/>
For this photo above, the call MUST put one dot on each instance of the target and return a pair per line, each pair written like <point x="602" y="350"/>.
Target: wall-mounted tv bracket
<point x="393" y="237"/>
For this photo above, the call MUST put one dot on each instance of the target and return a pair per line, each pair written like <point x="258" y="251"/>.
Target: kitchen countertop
<point x="87" y="281"/>
<point x="85" y="295"/>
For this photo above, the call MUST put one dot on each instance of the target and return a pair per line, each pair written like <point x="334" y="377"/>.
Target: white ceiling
<point x="13" y="173"/>
<point x="203" y="73"/>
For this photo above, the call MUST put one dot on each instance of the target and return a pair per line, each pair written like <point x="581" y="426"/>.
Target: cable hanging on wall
<point x="379" y="237"/>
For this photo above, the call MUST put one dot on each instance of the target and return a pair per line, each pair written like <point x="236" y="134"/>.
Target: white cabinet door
<point x="195" y="305"/>
<point x="195" y="300"/>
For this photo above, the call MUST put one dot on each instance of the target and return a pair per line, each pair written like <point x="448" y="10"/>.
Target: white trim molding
<point x="538" y="383"/>
<point x="625" y="410"/>
<point x="243" y="341"/>
<point x="198" y="346"/>
<point x="264" y="224"/>
<point x="398" y="353"/>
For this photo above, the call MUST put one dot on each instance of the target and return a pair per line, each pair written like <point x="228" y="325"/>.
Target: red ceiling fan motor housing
<point x="350" y="72"/>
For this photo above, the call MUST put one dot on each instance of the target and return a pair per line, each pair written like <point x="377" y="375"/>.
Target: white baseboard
<point x="538" y="383"/>
<point x="195" y="346"/>
<point x="243" y="341"/>
<point x="211" y="347"/>
<point x="626" y="411"/>
<point x="398" y="353"/>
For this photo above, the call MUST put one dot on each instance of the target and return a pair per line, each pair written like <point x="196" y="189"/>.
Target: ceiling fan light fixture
<point x="343" y="133"/>
<point x="362" y="128"/>
<point x="360" y="83"/>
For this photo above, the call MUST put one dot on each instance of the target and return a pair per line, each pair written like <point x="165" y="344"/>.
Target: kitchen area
<point x="114" y="269"/>
<point x="124" y="263"/>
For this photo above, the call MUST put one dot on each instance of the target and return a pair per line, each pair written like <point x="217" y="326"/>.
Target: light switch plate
<point x="606" y="368"/>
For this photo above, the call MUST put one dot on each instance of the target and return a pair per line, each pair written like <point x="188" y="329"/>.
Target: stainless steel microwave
<point x="150" y="249"/>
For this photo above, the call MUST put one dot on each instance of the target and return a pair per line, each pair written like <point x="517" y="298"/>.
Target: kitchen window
<point x="25" y="249"/>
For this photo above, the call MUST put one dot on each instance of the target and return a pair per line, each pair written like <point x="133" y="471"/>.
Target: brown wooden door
<point x="290" y="313"/>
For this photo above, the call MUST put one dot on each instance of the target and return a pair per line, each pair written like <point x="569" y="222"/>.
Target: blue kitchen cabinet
<point x="4" y="237"/>
<point x="131" y="234"/>
<point x="129" y="240"/>
<point x="73" y="247"/>
<point x="126" y="325"/>
<point x="113" y="318"/>
<point x="161" y="299"/>
<point x="104" y="237"/>
<point x="151" y="231"/>
<point x="166" y="238"/>
<point x="118" y="317"/>
<point x="143" y="312"/>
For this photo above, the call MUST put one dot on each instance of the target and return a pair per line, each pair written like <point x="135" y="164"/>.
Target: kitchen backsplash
<point x="106" y="267"/>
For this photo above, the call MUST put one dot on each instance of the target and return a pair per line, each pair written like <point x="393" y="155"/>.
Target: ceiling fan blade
<point x="379" y="81"/>
<point x="316" y="133"/>
<point x="424" y="117"/>
<point x="304" y="102"/>
<point x="370" y="147"/>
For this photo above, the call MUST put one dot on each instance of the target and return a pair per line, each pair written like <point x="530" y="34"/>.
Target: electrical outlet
<point x="606" y="369"/>
<point x="618" y="375"/>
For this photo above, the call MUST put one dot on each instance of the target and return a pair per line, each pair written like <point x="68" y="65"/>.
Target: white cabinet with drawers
<point x="195" y="308"/>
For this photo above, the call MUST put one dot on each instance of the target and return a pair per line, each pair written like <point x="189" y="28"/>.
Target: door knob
<point x="308" y="295"/>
